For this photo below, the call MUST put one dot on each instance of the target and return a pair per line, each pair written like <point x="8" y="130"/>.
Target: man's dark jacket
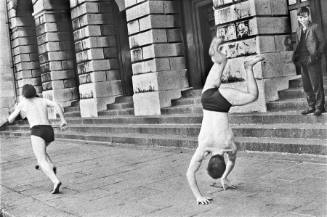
<point x="314" y="41"/>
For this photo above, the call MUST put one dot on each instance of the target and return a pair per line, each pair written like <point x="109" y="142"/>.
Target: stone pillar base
<point x="155" y="90"/>
<point x="150" y="103"/>
<point x="91" y="107"/>
<point x="96" y="96"/>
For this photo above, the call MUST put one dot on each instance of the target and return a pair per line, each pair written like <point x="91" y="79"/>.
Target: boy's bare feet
<point x="250" y="63"/>
<point x="225" y="183"/>
<point x="56" y="188"/>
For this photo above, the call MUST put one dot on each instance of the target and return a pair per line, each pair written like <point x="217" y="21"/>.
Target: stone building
<point x="93" y="51"/>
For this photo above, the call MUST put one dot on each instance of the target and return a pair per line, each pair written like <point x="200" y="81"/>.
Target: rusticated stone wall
<point x="94" y="26"/>
<point x="23" y="43"/>
<point x="7" y="87"/>
<point x="56" y="55"/>
<point x="254" y="27"/>
<point x="157" y="54"/>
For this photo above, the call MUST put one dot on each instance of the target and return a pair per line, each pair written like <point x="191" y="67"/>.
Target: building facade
<point x="93" y="51"/>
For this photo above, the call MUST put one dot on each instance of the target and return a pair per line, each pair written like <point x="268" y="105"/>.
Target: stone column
<point x="55" y="46"/>
<point x="157" y="54"/>
<point x="256" y="27"/>
<point x="24" y="46"/>
<point x="7" y="87"/>
<point x="96" y="54"/>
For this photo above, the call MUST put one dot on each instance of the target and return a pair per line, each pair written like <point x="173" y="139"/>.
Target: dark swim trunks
<point x="212" y="100"/>
<point x="43" y="131"/>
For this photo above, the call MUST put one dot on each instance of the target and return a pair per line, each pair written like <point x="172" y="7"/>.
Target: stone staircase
<point x="282" y="129"/>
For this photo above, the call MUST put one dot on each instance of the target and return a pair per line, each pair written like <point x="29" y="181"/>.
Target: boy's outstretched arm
<point x="12" y="116"/>
<point x="15" y="113"/>
<point x="59" y="110"/>
<point x="190" y="174"/>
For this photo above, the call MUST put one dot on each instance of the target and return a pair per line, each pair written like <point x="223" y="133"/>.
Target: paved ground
<point x="128" y="181"/>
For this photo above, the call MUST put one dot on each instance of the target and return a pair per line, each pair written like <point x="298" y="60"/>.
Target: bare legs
<point x="49" y="161"/>
<point x="45" y="163"/>
<point x="251" y="82"/>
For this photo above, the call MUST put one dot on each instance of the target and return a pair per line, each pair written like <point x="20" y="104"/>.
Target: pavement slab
<point x="118" y="180"/>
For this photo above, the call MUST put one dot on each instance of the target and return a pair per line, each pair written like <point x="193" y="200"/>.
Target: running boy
<point x="35" y="109"/>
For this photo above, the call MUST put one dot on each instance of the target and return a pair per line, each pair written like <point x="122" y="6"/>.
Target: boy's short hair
<point x="303" y="10"/>
<point x="216" y="166"/>
<point x="29" y="91"/>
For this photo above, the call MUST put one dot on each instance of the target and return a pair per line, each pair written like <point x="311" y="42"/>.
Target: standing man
<point x="310" y="45"/>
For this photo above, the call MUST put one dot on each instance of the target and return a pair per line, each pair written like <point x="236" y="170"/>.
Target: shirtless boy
<point x="35" y="109"/>
<point x="216" y="137"/>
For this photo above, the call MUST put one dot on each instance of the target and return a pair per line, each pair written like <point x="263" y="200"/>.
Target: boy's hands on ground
<point x="203" y="200"/>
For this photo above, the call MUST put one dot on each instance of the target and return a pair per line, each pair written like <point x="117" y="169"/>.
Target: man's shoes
<point x="308" y="111"/>
<point x="318" y="112"/>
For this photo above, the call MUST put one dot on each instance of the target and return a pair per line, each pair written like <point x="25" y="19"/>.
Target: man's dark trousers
<point x="312" y="80"/>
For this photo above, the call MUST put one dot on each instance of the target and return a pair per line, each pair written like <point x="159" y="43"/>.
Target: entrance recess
<point x="199" y="30"/>
<point x="124" y="53"/>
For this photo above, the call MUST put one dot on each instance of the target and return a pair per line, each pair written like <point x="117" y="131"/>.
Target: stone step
<point x="288" y="105"/>
<point x="288" y="145"/>
<point x="235" y="118"/>
<point x="121" y="99"/>
<point x="300" y="146"/>
<point x="72" y="109"/>
<point x="294" y="93"/>
<point x="131" y="119"/>
<point x="286" y="117"/>
<point x="75" y="103"/>
<point x="305" y="131"/>
<point x="296" y="83"/>
<point x="72" y="114"/>
<point x="120" y="105"/>
<point x="183" y="109"/>
<point x="115" y="112"/>
<point x="112" y="112"/>
<point x="191" y="92"/>
<point x="318" y="131"/>
<point x="187" y="101"/>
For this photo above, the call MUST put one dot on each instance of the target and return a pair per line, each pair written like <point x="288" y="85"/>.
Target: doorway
<point x="199" y="29"/>
<point x="124" y="54"/>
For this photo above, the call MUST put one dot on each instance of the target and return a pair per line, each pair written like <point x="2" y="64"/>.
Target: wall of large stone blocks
<point x="24" y="46"/>
<point x="157" y="54"/>
<point x="95" y="39"/>
<point x="7" y="87"/>
<point x="55" y="50"/>
<point x="253" y="27"/>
